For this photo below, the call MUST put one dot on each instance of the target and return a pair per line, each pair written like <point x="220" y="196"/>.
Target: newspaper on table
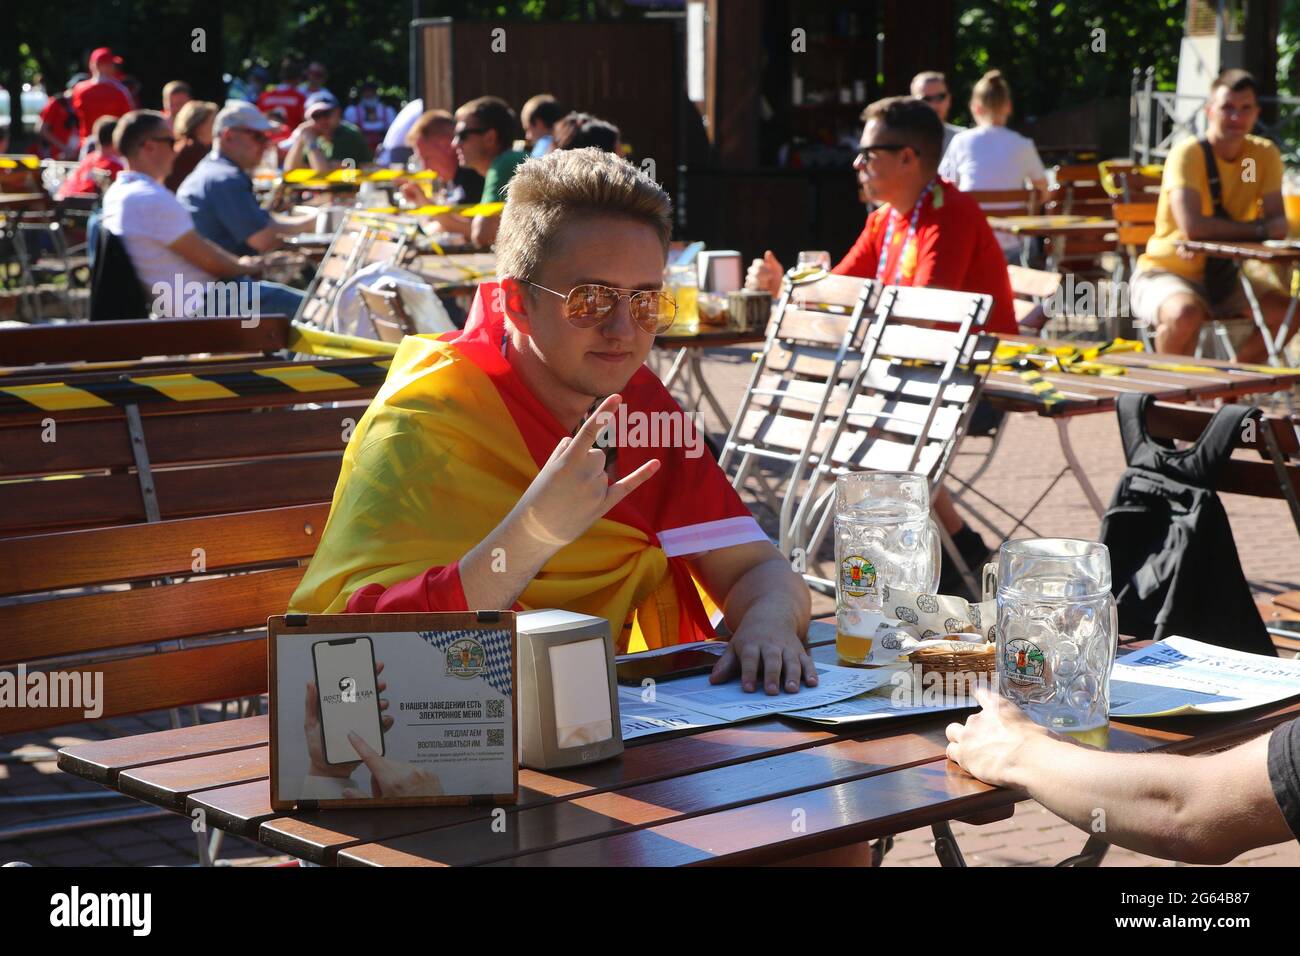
<point x="1178" y="676"/>
<point x="688" y="702"/>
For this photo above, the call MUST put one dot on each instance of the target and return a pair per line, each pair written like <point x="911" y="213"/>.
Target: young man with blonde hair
<point x="478" y="479"/>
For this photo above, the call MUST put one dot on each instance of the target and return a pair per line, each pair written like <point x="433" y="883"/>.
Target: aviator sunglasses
<point x="588" y="305"/>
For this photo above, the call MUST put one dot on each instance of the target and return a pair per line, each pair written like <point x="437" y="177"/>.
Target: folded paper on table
<point x="879" y="704"/>
<point x="689" y="702"/>
<point x="1178" y="676"/>
<point x="910" y="617"/>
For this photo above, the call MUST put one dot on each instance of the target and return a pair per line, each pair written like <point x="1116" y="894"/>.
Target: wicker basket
<point x="943" y="661"/>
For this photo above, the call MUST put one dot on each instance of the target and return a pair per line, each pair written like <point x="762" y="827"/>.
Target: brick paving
<point x="1025" y="464"/>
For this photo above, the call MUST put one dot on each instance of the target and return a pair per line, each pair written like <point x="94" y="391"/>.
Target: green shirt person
<point x="486" y="129"/>
<point x="499" y="173"/>
<point x="323" y="142"/>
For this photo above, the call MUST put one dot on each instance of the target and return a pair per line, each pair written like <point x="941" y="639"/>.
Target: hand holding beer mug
<point x="884" y="537"/>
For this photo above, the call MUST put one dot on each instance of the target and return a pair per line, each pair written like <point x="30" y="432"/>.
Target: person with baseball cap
<point x="219" y="192"/>
<point x="324" y="140"/>
<point x="101" y="95"/>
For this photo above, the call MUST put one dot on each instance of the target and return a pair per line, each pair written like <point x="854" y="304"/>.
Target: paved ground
<point x="1027" y="462"/>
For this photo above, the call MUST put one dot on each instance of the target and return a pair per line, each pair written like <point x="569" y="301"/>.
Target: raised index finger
<point x="593" y="426"/>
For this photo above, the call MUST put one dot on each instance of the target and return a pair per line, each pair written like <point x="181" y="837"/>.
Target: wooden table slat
<point x="168" y="784"/>
<point x="102" y="760"/>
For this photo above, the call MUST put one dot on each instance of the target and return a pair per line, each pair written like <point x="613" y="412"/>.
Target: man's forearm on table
<point x="1157" y="804"/>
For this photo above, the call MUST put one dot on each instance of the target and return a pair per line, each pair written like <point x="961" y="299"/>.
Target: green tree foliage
<point x="1047" y="50"/>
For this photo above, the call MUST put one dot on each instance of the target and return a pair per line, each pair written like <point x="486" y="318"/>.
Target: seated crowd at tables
<point x="515" y="467"/>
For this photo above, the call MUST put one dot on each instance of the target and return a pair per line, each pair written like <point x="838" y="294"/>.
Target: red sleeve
<point x="943" y="257"/>
<point x="863" y="258"/>
<point x="438" y="589"/>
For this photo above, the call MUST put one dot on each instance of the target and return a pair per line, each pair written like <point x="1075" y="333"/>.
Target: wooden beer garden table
<point x="1279" y="253"/>
<point x="1168" y="378"/>
<point x="725" y="795"/>
<point x="1063" y="227"/>
<point x="1043" y="226"/>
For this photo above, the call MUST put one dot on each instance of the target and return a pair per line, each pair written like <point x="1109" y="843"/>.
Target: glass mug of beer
<point x="884" y="536"/>
<point x="1291" y="201"/>
<point x="1057" y="628"/>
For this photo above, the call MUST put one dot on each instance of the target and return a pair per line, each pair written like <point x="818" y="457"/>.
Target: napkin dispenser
<point x="567" y="696"/>
<point x="721" y="270"/>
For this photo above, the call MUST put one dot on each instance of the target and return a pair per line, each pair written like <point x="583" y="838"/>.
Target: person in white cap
<point x="219" y="192"/>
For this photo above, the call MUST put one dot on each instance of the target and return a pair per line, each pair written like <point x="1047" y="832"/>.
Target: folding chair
<point x="388" y="316"/>
<point x="1077" y="192"/>
<point x="1005" y="202"/>
<point x="808" y="359"/>
<point x="362" y="239"/>
<point x="911" y="401"/>
<point x="1032" y="288"/>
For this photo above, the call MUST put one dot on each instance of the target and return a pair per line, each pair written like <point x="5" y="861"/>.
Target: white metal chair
<point x="362" y="239"/>
<point x="912" y="398"/>
<point x="802" y="374"/>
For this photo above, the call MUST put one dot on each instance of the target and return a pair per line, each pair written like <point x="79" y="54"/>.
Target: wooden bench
<point x="127" y="595"/>
<point x="134" y="339"/>
<point x="145" y="618"/>
<point x="106" y="471"/>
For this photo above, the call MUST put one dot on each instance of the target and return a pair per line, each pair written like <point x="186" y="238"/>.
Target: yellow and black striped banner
<point x="294" y="377"/>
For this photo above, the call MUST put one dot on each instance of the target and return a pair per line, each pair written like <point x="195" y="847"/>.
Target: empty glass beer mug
<point x="884" y="536"/>
<point x="1057" y="628"/>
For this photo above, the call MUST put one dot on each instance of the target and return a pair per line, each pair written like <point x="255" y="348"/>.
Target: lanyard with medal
<point x="909" y="241"/>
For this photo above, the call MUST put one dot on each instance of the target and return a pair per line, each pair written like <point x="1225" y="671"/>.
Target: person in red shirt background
<point x="101" y="95"/>
<point x="104" y="159"/>
<point x="286" y="96"/>
<point x="58" y="127"/>
<point x="937" y="237"/>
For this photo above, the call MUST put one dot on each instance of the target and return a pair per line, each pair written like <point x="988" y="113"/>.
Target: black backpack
<point x="115" y="289"/>
<point x="1174" y="563"/>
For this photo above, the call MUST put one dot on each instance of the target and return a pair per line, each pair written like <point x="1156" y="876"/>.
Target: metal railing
<point x="1159" y="118"/>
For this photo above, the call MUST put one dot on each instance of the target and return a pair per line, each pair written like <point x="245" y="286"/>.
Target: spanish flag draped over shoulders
<point x="444" y="452"/>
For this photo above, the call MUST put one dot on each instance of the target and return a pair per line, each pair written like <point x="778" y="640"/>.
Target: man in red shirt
<point x="951" y="247"/>
<point x="104" y="160"/>
<point x="937" y="236"/>
<point x="285" y="97"/>
<point x="101" y="95"/>
<point x="58" y="126"/>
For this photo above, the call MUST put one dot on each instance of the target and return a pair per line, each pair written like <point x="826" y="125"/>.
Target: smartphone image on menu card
<point x="348" y="695"/>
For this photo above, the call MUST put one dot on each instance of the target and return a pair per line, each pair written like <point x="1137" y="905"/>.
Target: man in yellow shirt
<point x="1171" y="289"/>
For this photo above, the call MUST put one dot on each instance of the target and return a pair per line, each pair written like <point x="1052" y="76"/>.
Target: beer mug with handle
<point x="1057" y="628"/>
<point x="884" y="537"/>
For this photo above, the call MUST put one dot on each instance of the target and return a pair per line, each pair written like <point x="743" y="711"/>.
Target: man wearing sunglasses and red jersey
<point x="924" y="233"/>
<point x="478" y="478"/>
